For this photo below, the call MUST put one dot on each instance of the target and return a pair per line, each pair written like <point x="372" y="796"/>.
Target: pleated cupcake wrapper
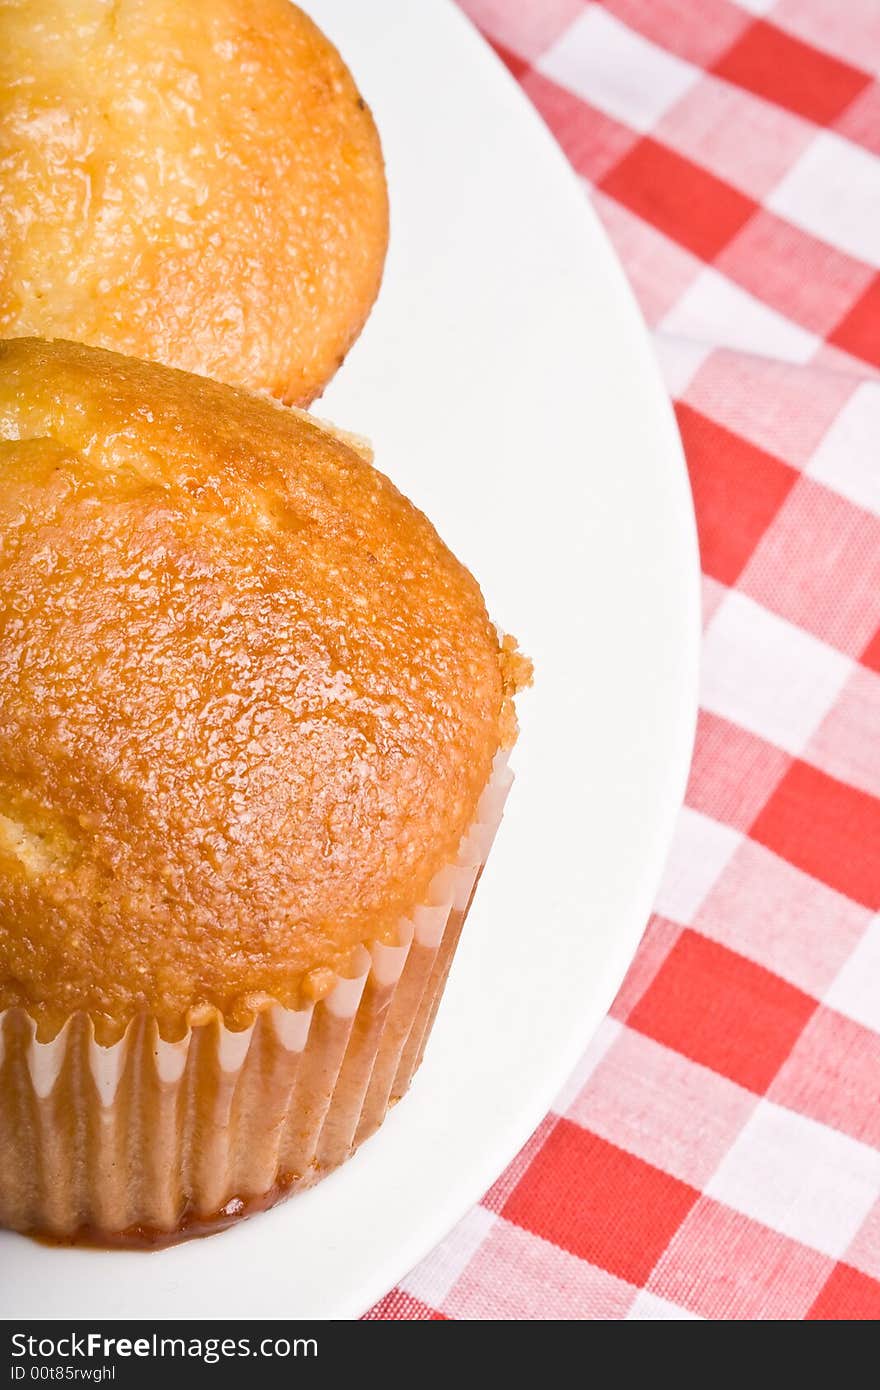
<point x="146" y="1137"/>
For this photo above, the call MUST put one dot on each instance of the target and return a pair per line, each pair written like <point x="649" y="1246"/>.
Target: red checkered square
<point x="723" y="1011"/>
<point x="397" y="1306"/>
<point x="860" y="122"/>
<point x="846" y="744"/>
<point x="871" y="655"/>
<point x="790" y="73"/>
<point x="858" y="333"/>
<point x="733" y="772"/>
<point x="738" y="137"/>
<point x="596" y="1201"/>
<point x="526" y="29"/>
<point x="659" y="938"/>
<point x="737" y="488"/>
<point x="512" y="61"/>
<point x="660" y="271"/>
<point x="794" y="272"/>
<point x="593" y="141"/>
<point x="833" y="1075"/>
<point x="723" y="1265"/>
<point x="513" y="1276"/>
<point x="685" y="202"/>
<point x="782" y="409"/>
<point x="849" y="1296"/>
<point x="767" y="910"/>
<point x="826" y="828"/>
<point x="850" y="31"/>
<point x="698" y="33"/>
<point x="668" y="1111"/>
<point x="837" y="599"/>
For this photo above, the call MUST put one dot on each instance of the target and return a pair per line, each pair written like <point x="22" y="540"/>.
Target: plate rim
<point x="558" y="1073"/>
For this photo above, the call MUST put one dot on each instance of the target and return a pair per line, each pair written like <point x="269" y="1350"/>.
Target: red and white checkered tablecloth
<point x="717" y="1153"/>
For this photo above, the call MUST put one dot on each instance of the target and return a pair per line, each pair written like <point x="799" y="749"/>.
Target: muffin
<point x="254" y="721"/>
<point x="199" y="185"/>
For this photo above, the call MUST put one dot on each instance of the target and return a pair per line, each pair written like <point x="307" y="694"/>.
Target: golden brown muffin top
<point x="198" y="184"/>
<point x="248" y="699"/>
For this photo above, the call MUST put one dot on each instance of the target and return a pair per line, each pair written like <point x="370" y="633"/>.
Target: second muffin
<point x="198" y="184"/>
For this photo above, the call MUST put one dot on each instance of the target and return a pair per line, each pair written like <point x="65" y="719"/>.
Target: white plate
<point x="508" y="385"/>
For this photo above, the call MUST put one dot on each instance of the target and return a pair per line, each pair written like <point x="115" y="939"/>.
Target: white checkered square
<point x="434" y="1277"/>
<point x="768" y="676"/>
<point x="833" y="191"/>
<point x="649" y="1307"/>
<point x="799" y="1177"/>
<point x="603" y="1040"/>
<point x="701" y="849"/>
<point x="848" y="457"/>
<point x="680" y="360"/>
<point x="616" y="70"/>
<point x="715" y="310"/>
<point x="855" y="990"/>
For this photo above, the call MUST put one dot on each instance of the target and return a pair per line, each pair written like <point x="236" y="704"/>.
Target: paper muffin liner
<point x="146" y="1141"/>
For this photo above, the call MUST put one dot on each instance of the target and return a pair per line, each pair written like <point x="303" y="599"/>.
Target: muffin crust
<point x="197" y="184"/>
<point x="248" y="699"/>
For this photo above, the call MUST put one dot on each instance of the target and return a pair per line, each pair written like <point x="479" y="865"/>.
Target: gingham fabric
<point x="717" y="1154"/>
